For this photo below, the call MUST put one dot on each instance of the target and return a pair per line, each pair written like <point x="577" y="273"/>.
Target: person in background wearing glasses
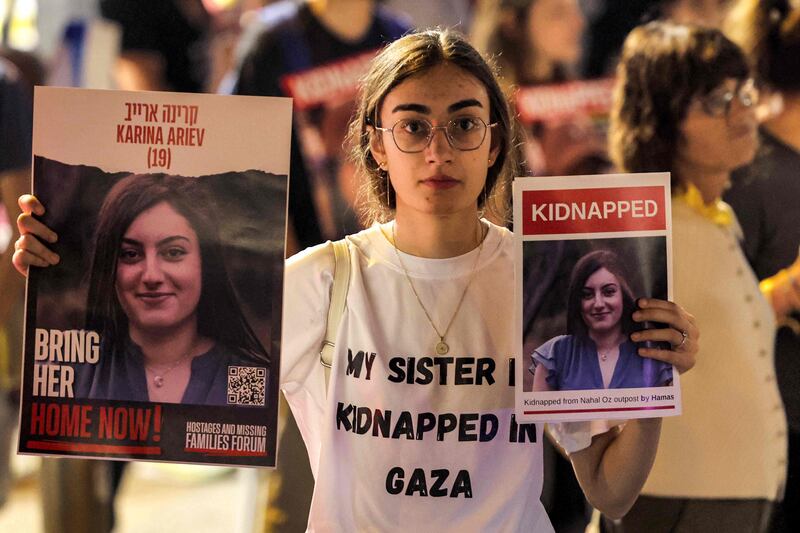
<point x="684" y="103"/>
<point x="413" y="430"/>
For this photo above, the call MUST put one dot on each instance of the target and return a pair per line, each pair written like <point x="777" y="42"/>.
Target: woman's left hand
<point x="682" y="333"/>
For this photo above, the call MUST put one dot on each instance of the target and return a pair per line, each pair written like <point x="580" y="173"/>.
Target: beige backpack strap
<point x="341" y="282"/>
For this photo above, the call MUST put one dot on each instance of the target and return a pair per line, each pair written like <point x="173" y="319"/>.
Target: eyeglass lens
<point x="719" y="103"/>
<point x="414" y="135"/>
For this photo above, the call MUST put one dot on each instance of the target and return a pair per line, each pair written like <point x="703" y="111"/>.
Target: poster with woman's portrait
<point x="589" y="247"/>
<point x="157" y="335"/>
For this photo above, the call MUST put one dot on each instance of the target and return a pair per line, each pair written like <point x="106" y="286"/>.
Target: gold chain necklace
<point x="441" y="347"/>
<point x="158" y="378"/>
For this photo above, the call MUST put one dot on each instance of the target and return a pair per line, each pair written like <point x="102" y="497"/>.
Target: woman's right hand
<point x="29" y="249"/>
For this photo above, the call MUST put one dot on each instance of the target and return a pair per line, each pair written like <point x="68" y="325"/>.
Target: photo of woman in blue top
<point x="597" y="352"/>
<point x="161" y="299"/>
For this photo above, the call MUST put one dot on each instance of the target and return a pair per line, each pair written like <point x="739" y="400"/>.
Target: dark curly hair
<point x="664" y="66"/>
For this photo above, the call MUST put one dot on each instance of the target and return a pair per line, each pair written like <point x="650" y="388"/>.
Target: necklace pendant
<point x="442" y="347"/>
<point x="158" y="381"/>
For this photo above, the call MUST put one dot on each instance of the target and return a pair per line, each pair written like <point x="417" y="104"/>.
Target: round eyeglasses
<point x="413" y="135"/>
<point x="718" y="103"/>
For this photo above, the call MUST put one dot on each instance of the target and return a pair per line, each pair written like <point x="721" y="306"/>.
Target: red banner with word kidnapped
<point x="593" y="210"/>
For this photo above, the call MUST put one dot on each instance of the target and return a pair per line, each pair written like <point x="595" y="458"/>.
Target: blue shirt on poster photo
<point x="123" y="377"/>
<point x="573" y="364"/>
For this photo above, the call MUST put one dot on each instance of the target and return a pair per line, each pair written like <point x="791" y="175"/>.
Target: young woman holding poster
<point x="415" y="429"/>
<point x="597" y="351"/>
<point x="685" y="103"/>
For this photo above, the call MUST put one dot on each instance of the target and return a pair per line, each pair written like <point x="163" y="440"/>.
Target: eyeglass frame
<point x="433" y="132"/>
<point x="730" y="95"/>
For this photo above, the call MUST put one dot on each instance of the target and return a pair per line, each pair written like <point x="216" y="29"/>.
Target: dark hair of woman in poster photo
<point x="596" y="352"/>
<point x="160" y="297"/>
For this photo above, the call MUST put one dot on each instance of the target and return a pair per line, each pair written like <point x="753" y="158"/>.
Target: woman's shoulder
<point x="309" y="277"/>
<point x="310" y="272"/>
<point x="694" y="233"/>
<point x="550" y="356"/>
<point x="320" y="258"/>
<point x="498" y="243"/>
<point x="551" y="347"/>
<point x="502" y="233"/>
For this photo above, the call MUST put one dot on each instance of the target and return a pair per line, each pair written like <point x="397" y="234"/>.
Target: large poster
<point x="157" y="335"/>
<point x="588" y="247"/>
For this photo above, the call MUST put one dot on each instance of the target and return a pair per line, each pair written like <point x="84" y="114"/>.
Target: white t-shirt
<point x="405" y="440"/>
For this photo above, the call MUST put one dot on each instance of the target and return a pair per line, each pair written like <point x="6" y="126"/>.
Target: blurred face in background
<point x="718" y="135"/>
<point x="555" y="30"/>
<point x="708" y="13"/>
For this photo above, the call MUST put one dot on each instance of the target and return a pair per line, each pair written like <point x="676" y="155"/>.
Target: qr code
<point x="247" y="385"/>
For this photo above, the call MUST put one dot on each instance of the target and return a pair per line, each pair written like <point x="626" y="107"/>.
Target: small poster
<point x="588" y="247"/>
<point x="157" y="335"/>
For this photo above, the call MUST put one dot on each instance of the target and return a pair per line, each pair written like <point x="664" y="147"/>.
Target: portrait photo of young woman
<point x="161" y="299"/>
<point x="150" y="265"/>
<point x="597" y="351"/>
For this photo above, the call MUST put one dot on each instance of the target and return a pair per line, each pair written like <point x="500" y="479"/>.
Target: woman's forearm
<point x="614" y="468"/>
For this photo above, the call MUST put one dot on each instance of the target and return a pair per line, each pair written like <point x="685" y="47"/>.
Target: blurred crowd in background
<point x="557" y="59"/>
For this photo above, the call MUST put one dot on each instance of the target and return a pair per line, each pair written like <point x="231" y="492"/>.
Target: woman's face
<point x="159" y="273"/>
<point x="440" y="179"/>
<point x="601" y="301"/>
<point x="708" y="13"/>
<point x="555" y="30"/>
<point x="717" y="137"/>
